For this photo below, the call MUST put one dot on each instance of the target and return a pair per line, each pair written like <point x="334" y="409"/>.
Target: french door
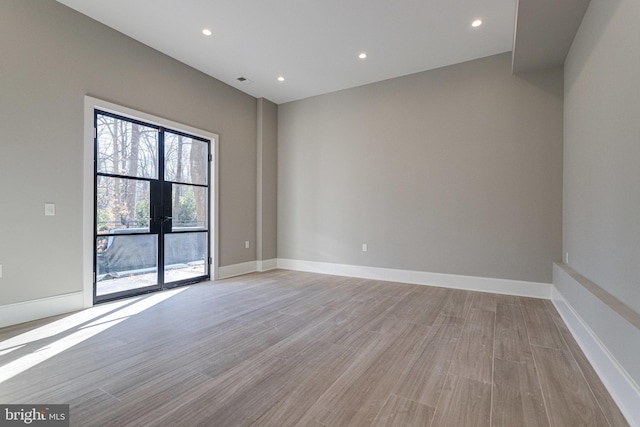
<point x="151" y="227"/>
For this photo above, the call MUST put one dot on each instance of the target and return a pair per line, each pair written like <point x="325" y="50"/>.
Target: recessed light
<point x="206" y="32"/>
<point x="280" y="79"/>
<point x="362" y="55"/>
<point x="476" y="23"/>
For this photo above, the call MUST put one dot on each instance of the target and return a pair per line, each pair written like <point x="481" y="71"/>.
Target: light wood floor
<point x="298" y="349"/>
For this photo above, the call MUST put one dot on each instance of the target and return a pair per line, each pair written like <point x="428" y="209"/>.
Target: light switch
<point x="50" y="209"/>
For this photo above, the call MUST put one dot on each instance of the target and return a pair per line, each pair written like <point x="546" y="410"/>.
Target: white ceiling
<point x="314" y="44"/>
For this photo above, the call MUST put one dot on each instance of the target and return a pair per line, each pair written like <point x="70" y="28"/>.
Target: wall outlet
<point x="365" y="247"/>
<point x="50" y="209"/>
<point x="0" y="271"/>
<point x="247" y="245"/>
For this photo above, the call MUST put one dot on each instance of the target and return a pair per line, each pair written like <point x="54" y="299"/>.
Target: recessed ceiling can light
<point x="280" y="79"/>
<point x="362" y="55"/>
<point x="206" y="32"/>
<point x="476" y="23"/>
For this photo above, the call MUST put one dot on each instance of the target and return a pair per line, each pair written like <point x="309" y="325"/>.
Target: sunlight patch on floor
<point x="123" y="311"/>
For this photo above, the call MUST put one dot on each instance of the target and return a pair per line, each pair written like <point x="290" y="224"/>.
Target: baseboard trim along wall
<point x="20" y="312"/>
<point x="469" y="283"/>
<point x="609" y="341"/>
<point x="233" y="270"/>
<point x="266" y="265"/>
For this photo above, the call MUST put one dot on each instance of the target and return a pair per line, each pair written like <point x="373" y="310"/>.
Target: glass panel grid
<point x="137" y="220"/>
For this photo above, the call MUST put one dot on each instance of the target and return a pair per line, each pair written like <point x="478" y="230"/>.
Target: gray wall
<point x="456" y="170"/>
<point x="602" y="149"/>
<point x="267" y="180"/>
<point x="51" y="57"/>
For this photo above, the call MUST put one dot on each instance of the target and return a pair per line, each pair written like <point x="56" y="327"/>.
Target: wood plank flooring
<point x="288" y="348"/>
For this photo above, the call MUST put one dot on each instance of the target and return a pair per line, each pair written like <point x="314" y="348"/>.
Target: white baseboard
<point x="470" y="283"/>
<point x="605" y="360"/>
<point x="246" y="267"/>
<point x="13" y="314"/>
<point x="227" y="271"/>
<point x="266" y="265"/>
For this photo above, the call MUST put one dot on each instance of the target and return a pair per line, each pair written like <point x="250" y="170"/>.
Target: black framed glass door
<point x="151" y="212"/>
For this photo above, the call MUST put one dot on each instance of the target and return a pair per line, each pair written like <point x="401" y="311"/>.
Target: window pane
<point x="185" y="159"/>
<point x="189" y="209"/>
<point x="185" y="255"/>
<point x="126" y="262"/>
<point x="126" y="148"/>
<point x="122" y="204"/>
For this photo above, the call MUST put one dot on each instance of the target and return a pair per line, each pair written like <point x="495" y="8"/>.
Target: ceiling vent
<point x="244" y="80"/>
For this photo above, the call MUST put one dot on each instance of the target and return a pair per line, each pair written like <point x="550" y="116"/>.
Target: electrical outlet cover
<point x="50" y="209"/>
